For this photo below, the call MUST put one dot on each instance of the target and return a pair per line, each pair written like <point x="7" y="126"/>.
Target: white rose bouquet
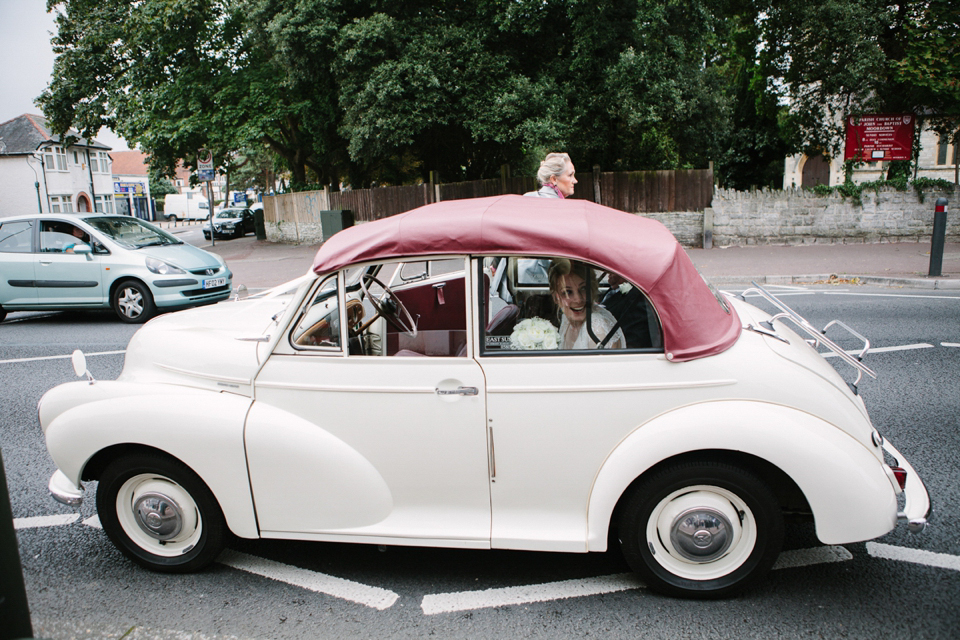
<point x="534" y="334"/>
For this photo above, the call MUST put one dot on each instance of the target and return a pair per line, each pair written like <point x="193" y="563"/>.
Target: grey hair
<point x="552" y="165"/>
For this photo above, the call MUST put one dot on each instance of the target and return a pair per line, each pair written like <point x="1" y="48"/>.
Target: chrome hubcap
<point x="131" y="303"/>
<point x="701" y="534"/>
<point x="158" y="515"/>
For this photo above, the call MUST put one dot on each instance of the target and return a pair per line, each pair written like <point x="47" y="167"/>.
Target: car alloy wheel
<point x="701" y="529"/>
<point x="159" y="513"/>
<point x="132" y="302"/>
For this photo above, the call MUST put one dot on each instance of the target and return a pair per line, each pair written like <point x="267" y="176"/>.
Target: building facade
<point x="39" y="173"/>
<point x="938" y="159"/>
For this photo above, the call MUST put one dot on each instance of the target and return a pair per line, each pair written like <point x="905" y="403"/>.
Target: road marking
<point x="916" y="556"/>
<point x="466" y="600"/>
<point x="93" y="521"/>
<point x="904" y="347"/>
<point x="101" y="353"/>
<point x="950" y="344"/>
<point x="889" y="295"/>
<point x="374" y="597"/>
<point x="45" y="521"/>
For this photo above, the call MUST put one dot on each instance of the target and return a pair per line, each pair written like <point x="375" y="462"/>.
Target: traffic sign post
<point x="939" y="237"/>
<point x="205" y="174"/>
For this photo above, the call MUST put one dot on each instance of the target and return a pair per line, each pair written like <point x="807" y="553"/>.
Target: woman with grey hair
<point x="557" y="176"/>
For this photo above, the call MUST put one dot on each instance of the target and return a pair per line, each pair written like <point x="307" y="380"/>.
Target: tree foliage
<point x="386" y="92"/>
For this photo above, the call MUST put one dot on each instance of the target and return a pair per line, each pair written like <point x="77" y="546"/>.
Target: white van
<point x="185" y="206"/>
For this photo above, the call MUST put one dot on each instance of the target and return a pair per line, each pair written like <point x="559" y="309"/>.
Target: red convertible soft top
<point x="641" y="250"/>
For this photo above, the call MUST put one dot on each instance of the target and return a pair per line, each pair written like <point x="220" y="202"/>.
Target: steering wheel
<point x="389" y="307"/>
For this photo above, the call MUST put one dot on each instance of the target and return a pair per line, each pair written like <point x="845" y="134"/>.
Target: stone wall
<point x="796" y="216"/>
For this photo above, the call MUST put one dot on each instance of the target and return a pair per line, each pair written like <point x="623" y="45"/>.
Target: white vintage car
<point x="414" y="388"/>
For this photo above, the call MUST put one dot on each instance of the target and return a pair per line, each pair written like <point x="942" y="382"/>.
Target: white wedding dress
<point x="603" y="322"/>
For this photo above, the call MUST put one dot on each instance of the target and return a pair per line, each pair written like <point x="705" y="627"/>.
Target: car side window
<point x="61" y="237"/>
<point x="541" y="304"/>
<point x="16" y="237"/>
<point x="411" y="308"/>
<point x="319" y="324"/>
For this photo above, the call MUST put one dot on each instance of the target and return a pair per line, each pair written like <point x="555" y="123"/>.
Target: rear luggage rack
<point x="819" y="337"/>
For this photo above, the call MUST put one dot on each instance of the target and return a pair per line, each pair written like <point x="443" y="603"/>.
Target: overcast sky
<point x="26" y="61"/>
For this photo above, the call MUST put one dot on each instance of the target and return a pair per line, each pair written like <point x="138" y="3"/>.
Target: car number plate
<point x="210" y="283"/>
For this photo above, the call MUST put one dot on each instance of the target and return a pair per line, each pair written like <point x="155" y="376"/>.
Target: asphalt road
<point x="79" y="586"/>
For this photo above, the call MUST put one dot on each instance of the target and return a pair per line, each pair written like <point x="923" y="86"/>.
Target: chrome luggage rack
<point x="819" y="338"/>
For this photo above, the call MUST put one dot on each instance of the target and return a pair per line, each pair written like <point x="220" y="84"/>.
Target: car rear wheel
<point x="160" y="514"/>
<point x="132" y="302"/>
<point x="701" y="529"/>
<point x="3" y="314"/>
<point x="173" y="218"/>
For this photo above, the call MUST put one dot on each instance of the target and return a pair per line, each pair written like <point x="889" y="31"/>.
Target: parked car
<point x="233" y="223"/>
<point x="184" y="206"/>
<point x="94" y="261"/>
<point x="412" y="389"/>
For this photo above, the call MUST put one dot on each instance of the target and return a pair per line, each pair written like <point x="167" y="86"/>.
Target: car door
<point x="65" y="278"/>
<point x="374" y="443"/>
<point x="555" y="416"/>
<point x="17" y="263"/>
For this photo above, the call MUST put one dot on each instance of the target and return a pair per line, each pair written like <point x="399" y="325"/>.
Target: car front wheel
<point x="159" y="513"/>
<point x="132" y="302"/>
<point x="701" y="529"/>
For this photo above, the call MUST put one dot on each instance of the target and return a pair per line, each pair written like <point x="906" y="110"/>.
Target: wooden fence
<point x="630" y="191"/>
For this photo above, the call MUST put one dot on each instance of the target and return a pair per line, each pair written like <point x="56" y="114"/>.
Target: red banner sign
<point x="873" y="138"/>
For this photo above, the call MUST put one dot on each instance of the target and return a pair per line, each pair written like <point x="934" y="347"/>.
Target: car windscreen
<point x="229" y="213"/>
<point x="130" y="232"/>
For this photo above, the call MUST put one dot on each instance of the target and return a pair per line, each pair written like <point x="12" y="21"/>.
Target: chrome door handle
<point x="459" y="391"/>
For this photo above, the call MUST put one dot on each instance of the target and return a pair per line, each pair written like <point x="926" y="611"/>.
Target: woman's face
<point x="566" y="180"/>
<point x="571" y="297"/>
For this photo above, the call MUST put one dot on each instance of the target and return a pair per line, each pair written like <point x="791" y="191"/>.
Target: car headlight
<point x="162" y="268"/>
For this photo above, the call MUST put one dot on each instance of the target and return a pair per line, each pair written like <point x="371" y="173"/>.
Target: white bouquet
<point x="534" y="333"/>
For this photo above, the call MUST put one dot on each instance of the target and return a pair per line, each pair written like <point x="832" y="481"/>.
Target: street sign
<point x="874" y="138"/>
<point x="205" y="175"/>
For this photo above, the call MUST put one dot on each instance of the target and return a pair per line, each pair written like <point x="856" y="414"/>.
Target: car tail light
<point x="901" y="476"/>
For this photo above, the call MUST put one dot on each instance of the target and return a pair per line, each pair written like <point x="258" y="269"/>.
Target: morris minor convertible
<point x="493" y="373"/>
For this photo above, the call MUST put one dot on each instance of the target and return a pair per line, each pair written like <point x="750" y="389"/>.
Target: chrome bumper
<point x="916" y="508"/>
<point x="64" y="491"/>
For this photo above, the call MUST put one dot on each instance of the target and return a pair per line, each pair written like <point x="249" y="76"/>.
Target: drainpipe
<point x="93" y="192"/>
<point x="46" y="188"/>
<point x="36" y="181"/>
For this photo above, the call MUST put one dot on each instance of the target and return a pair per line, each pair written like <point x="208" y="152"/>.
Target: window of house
<point x="100" y="161"/>
<point x="61" y="204"/>
<point x="104" y="204"/>
<point x="540" y="305"/>
<point x="946" y="152"/>
<point x="76" y="158"/>
<point x="55" y="159"/>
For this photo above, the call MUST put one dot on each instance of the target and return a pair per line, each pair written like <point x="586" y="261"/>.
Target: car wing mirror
<point x="80" y="365"/>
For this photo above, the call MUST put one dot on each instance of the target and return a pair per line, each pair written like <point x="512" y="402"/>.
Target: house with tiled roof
<point x="40" y="173"/>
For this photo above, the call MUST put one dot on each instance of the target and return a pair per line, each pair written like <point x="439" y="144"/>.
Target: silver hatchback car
<point x="95" y="261"/>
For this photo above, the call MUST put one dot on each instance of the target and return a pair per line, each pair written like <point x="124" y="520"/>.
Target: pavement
<point x="259" y="264"/>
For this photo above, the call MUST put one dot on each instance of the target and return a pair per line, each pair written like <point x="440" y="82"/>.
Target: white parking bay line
<point x="38" y="358"/>
<point x="950" y="344"/>
<point x="374" y="597"/>
<point x="45" y="521"/>
<point x="467" y="600"/>
<point x="916" y="556"/>
<point x="873" y="350"/>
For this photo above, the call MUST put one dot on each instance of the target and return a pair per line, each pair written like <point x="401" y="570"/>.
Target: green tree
<point x="832" y="58"/>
